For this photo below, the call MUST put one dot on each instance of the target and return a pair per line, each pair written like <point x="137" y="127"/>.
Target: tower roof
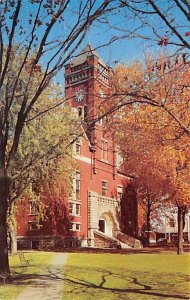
<point x="84" y="54"/>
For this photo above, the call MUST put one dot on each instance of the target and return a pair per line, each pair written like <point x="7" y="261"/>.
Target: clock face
<point x="79" y="96"/>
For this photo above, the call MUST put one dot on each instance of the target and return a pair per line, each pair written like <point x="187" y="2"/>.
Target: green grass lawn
<point x="23" y="275"/>
<point x="108" y="276"/>
<point x="127" y="276"/>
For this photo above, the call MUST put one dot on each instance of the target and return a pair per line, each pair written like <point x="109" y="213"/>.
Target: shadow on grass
<point x="79" y="285"/>
<point x="139" y="289"/>
<point x="22" y="277"/>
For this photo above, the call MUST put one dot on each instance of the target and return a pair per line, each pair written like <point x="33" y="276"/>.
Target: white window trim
<point x="32" y="222"/>
<point x="104" y="142"/>
<point x="74" y="226"/>
<point x="73" y="195"/>
<point x="105" y="188"/>
<point x="79" y="143"/>
<point x="73" y="213"/>
<point x="77" y="178"/>
<point x="79" y="214"/>
<point x="79" y="227"/>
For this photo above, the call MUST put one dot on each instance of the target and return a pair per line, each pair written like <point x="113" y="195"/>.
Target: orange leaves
<point x="54" y="191"/>
<point x="54" y="196"/>
<point x="163" y="83"/>
<point x="151" y="129"/>
<point x="152" y="157"/>
<point x="153" y="122"/>
<point x="128" y="77"/>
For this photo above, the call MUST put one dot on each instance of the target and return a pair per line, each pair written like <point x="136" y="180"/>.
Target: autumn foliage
<point x="54" y="194"/>
<point x="152" y="111"/>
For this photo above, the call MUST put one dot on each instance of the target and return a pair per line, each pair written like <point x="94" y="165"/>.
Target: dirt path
<point x="49" y="285"/>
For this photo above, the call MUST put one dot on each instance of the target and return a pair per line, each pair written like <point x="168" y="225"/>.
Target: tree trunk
<point x="4" y="192"/>
<point x="12" y="240"/>
<point x="181" y="217"/>
<point x="148" y="227"/>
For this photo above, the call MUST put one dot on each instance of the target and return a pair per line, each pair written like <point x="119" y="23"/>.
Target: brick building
<point x="98" y="183"/>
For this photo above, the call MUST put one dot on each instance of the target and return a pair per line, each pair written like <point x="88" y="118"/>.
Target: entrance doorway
<point x="102" y="225"/>
<point x="106" y="224"/>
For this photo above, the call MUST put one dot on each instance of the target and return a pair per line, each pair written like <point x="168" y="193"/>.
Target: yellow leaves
<point x="163" y="82"/>
<point x="44" y="141"/>
<point x="151" y="137"/>
<point x="182" y="191"/>
<point x="152" y="156"/>
<point x="128" y="77"/>
<point x="181" y="160"/>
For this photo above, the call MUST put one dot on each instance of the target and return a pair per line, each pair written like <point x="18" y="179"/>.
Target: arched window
<point x="85" y="113"/>
<point x="80" y="111"/>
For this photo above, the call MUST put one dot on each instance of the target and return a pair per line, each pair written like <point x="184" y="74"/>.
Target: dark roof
<point x="84" y="54"/>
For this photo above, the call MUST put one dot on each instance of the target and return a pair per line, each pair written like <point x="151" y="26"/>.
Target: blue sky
<point x="126" y="50"/>
<point x="122" y="50"/>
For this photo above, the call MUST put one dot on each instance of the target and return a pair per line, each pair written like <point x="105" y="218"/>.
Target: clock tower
<point x="87" y="80"/>
<point x="97" y="183"/>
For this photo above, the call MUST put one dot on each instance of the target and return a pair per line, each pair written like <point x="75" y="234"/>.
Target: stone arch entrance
<point x="106" y="224"/>
<point x="103" y="217"/>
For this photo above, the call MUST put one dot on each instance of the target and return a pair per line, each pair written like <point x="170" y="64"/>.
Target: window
<point x="74" y="226"/>
<point x="104" y="149"/>
<point x="119" y="192"/>
<point x="78" y="147"/>
<point x="80" y="112"/>
<point x="104" y="188"/>
<point x="77" y="211"/>
<point x="77" y="227"/>
<point x="71" y="226"/>
<point x="77" y="187"/>
<point x="32" y="226"/>
<point x="85" y="113"/>
<point x="74" y="209"/>
<point x="34" y="210"/>
<point x="71" y="208"/>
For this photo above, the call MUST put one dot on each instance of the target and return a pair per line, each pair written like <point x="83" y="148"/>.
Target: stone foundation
<point x="49" y="242"/>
